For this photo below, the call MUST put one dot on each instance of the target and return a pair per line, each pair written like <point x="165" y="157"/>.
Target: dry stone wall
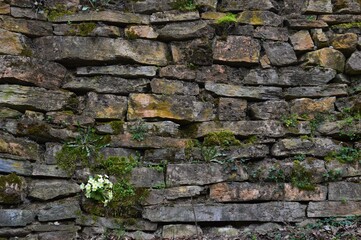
<point x="224" y="112"/>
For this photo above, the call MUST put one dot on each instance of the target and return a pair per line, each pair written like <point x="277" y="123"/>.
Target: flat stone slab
<point x="50" y="189"/>
<point x="147" y="177"/>
<point x="262" y="212"/>
<point x="28" y="27"/>
<point x="16" y="217"/>
<point x="56" y="211"/>
<point x="201" y="174"/>
<point x="172" y="87"/>
<point x="173" y="16"/>
<point x="185" y="30"/>
<point x="341" y="191"/>
<point x="236" y="5"/>
<point x="258" y="93"/>
<point x="20" y="148"/>
<point x="23" y="97"/>
<point x="333" y="209"/>
<point x="19" y="167"/>
<point x="100" y="50"/>
<point x="31" y="71"/>
<point x="127" y="71"/>
<point x="316" y="92"/>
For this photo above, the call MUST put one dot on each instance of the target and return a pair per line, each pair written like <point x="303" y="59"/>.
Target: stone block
<point x="181" y="231"/>
<point x="344" y="191"/>
<point x="333" y="209"/>
<point x="231" y="109"/>
<point x="172" y="87"/>
<point x="46" y="190"/>
<point x="280" y="53"/>
<point x="16" y="217"/>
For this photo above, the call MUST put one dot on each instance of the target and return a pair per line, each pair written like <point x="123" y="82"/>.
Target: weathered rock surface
<point x="177" y="71"/>
<point x="173" y="16"/>
<point x="302" y="41"/>
<point x="259" y="93"/>
<point x="271" y="33"/>
<point x="158" y="196"/>
<point x="346" y="43"/>
<point x="353" y="64"/>
<point x="15" y="217"/>
<point x="333" y="209"/>
<point x="147" y="32"/>
<point x="176" y="107"/>
<point x="342" y="191"/>
<point x="275" y="211"/>
<point x="260" y="18"/>
<point x="234" y="5"/>
<point x="311" y="107"/>
<point x="126" y="140"/>
<point x="186" y="30"/>
<point x="127" y="71"/>
<point x="243" y="192"/>
<point x="18" y="148"/>
<point x="232" y="109"/>
<point x="46" y="190"/>
<point x="237" y="50"/>
<point x="12" y="189"/>
<point x="316" y="92"/>
<point x="55" y="211"/>
<point x="197" y="52"/>
<point x="201" y="174"/>
<point x="107" y="84"/>
<point x="315" y="147"/>
<point x="22" y="97"/>
<point x="97" y="50"/>
<point x="306" y="24"/>
<point x="19" y="167"/>
<point x="269" y="110"/>
<point x="31" y="71"/>
<point x="280" y="53"/>
<point x="147" y="177"/>
<point x="180" y="231"/>
<point x="27" y="27"/>
<point x="13" y="43"/>
<point x="315" y="6"/>
<point x="315" y="76"/>
<point x="325" y="57"/>
<point x="170" y="87"/>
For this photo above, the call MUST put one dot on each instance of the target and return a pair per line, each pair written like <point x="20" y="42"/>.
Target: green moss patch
<point x="11" y="189"/>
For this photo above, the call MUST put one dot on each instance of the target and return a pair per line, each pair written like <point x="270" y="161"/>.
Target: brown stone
<point x="173" y="16"/>
<point x="13" y="43"/>
<point x="31" y="71"/>
<point x="177" y="71"/>
<point x="339" y="18"/>
<point x="80" y="30"/>
<point x="317" y="6"/>
<point x="216" y="73"/>
<point x="196" y="52"/>
<point x="19" y="148"/>
<point x="185" y="108"/>
<point x="31" y="28"/>
<point x="236" y="5"/>
<point x="320" y="38"/>
<point x="171" y="87"/>
<point x="141" y="32"/>
<point x="310" y="107"/>
<point x="28" y="13"/>
<point x="353" y="64"/>
<point x="269" y="110"/>
<point x="127" y="71"/>
<point x="260" y="18"/>
<point x="237" y="50"/>
<point x="306" y="24"/>
<point x="4" y="8"/>
<point x="231" y="109"/>
<point x="333" y="209"/>
<point x="185" y="30"/>
<point x="345" y="43"/>
<point x="347" y="6"/>
<point x="302" y="41"/>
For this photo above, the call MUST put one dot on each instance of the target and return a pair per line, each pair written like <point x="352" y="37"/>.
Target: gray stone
<point x="106" y="106"/>
<point x="114" y="17"/>
<point x="345" y="170"/>
<point x="72" y="235"/>
<point x="31" y="71"/>
<point x="177" y="71"/>
<point x="275" y="212"/>
<point x="295" y="76"/>
<point x="19" y="167"/>
<point x="262" y="77"/>
<point x="236" y="5"/>
<point x="147" y="177"/>
<point x="149" y="6"/>
<point x="225" y="231"/>
<point x="23" y="97"/>
<point x="127" y="141"/>
<point x="141" y="31"/>
<point x="16" y="217"/>
<point x="269" y="110"/>
<point x="78" y="30"/>
<point x="254" y="93"/>
<point x="319" y="37"/>
<point x="316" y="92"/>
<point x="50" y="152"/>
<point x="242" y="128"/>
<point x="127" y="71"/>
<point x="164" y="129"/>
<point x="46" y="190"/>
<point x="347" y="6"/>
<point x="201" y="174"/>
<point x="44" y="170"/>
<point x="161" y="196"/>
<point x="302" y="41"/>
<point x="247" y="151"/>
<point x="237" y="50"/>
<point x="198" y="52"/>
<point x="280" y="53"/>
<point x="306" y="24"/>
<point x="215" y="73"/>
<point x="310" y="107"/>
<point x="20" y="12"/>
<point x="258" y="18"/>
<point x="353" y="64"/>
<point x="100" y="50"/>
<point x="333" y="209"/>
<point x="56" y="211"/>
<point x="206" y="4"/>
<point x="344" y="191"/>
<point x="171" y="87"/>
<point x="120" y="152"/>
<point x="316" y="6"/>
<point x="107" y="84"/>
<point x="315" y="147"/>
<point x="175" y="107"/>
<point x="271" y="33"/>
<point x="28" y="27"/>
<point x="232" y="109"/>
<point x="181" y="231"/>
<point x="173" y="16"/>
<point x="9" y="113"/>
<point x="186" y="30"/>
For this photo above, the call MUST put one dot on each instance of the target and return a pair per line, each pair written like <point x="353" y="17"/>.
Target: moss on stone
<point x="59" y="11"/>
<point x="347" y="25"/>
<point x="82" y="29"/>
<point x="117" y="126"/>
<point x="11" y="187"/>
<point x="222" y="139"/>
<point x="27" y="52"/>
<point x="301" y="177"/>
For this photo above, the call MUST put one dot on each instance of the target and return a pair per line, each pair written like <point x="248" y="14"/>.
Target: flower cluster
<point x="98" y="188"/>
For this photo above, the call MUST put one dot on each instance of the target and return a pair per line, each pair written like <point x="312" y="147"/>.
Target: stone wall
<point x="237" y="112"/>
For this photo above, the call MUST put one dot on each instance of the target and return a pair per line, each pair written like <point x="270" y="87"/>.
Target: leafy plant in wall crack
<point x="98" y="188"/>
<point x="138" y="130"/>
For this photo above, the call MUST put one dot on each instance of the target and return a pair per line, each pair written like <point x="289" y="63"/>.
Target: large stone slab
<point x="263" y="212"/>
<point x="242" y="128"/>
<point x="23" y="97"/>
<point x="147" y="177"/>
<point x="300" y="23"/>
<point x="344" y="191"/>
<point x="173" y="16"/>
<point x="269" y="110"/>
<point x="31" y="71"/>
<point x="346" y="43"/>
<point x="232" y="109"/>
<point x="114" y="17"/>
<point x="149" y="6"/>
<point x="127" y="71"/>
<point x="295" y="76"/>
<point x="107" y="84"/>
<point x="325" y="57"/>
<point x="260" y="18"/>
<point x="182" y="72"/>
<point x="302" y="41"/>
<point x="50" y="189"/>
<point x="243" y="192"/>
<point x="171" y="87"/>
<point x="13" y="43"/>
<point x="18" y="167"/>
<point x="55" y="211"/>
<point x="347" y="6"/>
<point x="186" y="30"/>
<point x="258" y="93"/>
<point x="236" y="5"/>
<point x="97" y="50"/>
<point x="16" y="217"/>
<point x="316" y="92"/>
<point x="333" y="209"/>
<point x="28" y="27"/>
<point x="311" y="107"/>
<point x="185" y="108"/>
<point x="237" y="50"/>
<point x="353" y="64"/>
<point x="19" y="148"/>
<point x="314" y="147"/>
<point x="158" y="196"/>
<point x="280" y="53"/>
<point x="201" y="174"/>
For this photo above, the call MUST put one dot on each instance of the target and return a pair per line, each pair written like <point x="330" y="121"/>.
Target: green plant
<point x="345" y="155"/>
<point x="316" y="122"/>
<point x="349" y="120"/>
<point x="118" y="166"/>
<point x="97" y="3"/>
<point x="347" y="25"/>
<point x="301" y="177"/>
<point x="184" y="5"/>
<point x="290" y="120"/>
<point x="210" y="154"/>
<point x="332" y="175"/>
<point x="138" y="131"/>
<point x="228" y="18"/>
<point x="83" y="150"/>
<point x="299" y="157"/>
<point x="276" y="174"/>
<point x="59" y="11"/>
<point x="159" y="186"/>
<point x="98" y="188"/>
<point x="223" y="139"/>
